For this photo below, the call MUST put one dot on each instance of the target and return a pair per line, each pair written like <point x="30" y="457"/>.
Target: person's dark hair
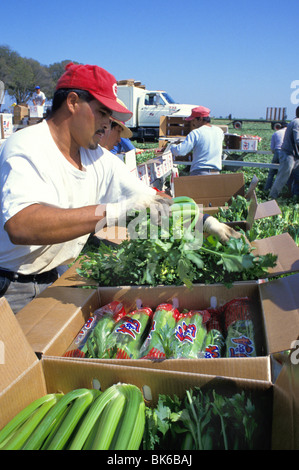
<point x="113" y="124"/>
<point x="297" y="111"/>
<point x="205" y="119"/>
<point x="61" y="94"/>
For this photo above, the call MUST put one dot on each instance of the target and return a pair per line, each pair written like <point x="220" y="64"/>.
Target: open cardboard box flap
<point x="12" y="341"/>
<point x="286" y="250"/>
<point x="280" y="300"/>
<point x="71" y="278"/>
<point x="257" y="211"/>
<point x="285" y="422"/>
<point x="52" y="320"/>
<point x="214" y="191"/>
<point x="211" y="191"/>
<point x="20" y="369"/>
<point x="204" y="188"/>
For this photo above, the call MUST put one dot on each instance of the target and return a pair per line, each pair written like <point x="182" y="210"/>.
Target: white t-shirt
<point x="39" y="98"/>
<point x="206" y="144"/>
<point x="33" y="170"/>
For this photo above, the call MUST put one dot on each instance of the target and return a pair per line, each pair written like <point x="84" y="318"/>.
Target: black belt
<point x="39" y="278"/>
<point x="208" y="170"/>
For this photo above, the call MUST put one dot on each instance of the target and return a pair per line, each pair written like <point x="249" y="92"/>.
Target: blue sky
<point x="234" y="57"/>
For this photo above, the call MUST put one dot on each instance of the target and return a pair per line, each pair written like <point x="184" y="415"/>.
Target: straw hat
<point x="126" y="133"/>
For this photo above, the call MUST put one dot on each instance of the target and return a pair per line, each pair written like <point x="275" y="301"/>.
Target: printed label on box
<point x="142" y="173"/>
<point x="36" y="111"/>
<point x="249" y="144"/>
<point x="6" y="127"/>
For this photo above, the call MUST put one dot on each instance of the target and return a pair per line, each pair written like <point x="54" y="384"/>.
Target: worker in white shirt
<point x="39" y="97"/>
<point x="205" y="142"/>
<point x="57" y="184"/>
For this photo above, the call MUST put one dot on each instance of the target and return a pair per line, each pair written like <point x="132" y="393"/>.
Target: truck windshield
<point x="168" y="98"/>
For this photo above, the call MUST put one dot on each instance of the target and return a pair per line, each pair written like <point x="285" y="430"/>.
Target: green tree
<point x="42" y="77"/>
<point x="17" y="75"/>
<point x="21" y="75"/>
<point x="56" y="70"/>
<point x="21" y="81"/>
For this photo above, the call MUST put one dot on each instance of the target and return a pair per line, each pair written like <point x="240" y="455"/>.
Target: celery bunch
<point x="176" y="257"/>
<point x="81" y="419"/>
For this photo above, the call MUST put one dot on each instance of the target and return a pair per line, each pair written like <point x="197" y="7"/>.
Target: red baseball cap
<point x="99" y="83"/>
<point x="200" y="111"/>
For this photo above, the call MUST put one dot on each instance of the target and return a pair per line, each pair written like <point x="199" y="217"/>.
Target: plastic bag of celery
<point x="215" y="342"/>
<point x="198" y="335"/>
<point x="91" y="339"/>
<point x="240" y="338"/>
<point x="157" y="343"/>
<point x="128" y="335"/>
<point x="190" y="333"/>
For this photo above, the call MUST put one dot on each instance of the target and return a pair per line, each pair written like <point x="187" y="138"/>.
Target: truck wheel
<point x="237" y="124"/>
<point x="276" y="126"/>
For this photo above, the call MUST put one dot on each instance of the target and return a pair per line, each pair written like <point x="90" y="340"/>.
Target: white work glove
<point x="117" y="213"/>
<point x="212" y="226"/>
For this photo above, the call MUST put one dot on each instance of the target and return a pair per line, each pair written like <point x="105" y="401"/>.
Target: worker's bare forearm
<point x="43" y="225"/>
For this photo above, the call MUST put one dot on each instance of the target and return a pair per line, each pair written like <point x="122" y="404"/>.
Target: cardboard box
<point x="240" y="142"/>
<point x="159" y="167"/>
<point x="36" y="111"/>
<point x="177" y="126"/>
<point x="52" y="321"/>
<point x="214" y="191"/>
<point x="129" y="158"/>
<point x="249" y="143"/>
<point x="19" y="113"/>
<point x="232" y="141"/>
<point x="174" y="126"/>
<point x="6" y="125"/>
<point x="142" y="172"/>
<point x="155" y="169"/>
<point x="25" y="378"/>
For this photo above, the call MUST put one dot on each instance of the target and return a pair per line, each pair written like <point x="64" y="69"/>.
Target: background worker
<point x="205" y="142"/>
<point x="125" y="144"/>
<point x="57" y="184"/>
<point x="289" y="156"/>
<point x="118" y="139"/>
<point x="39" y="97"/>
<point x="276" y="143"/>
<point x="113" y="139"/>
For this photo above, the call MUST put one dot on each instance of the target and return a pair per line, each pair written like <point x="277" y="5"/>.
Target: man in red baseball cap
<point x="199" y="111"/>
<point x="99" y="83"/>
<point x="205" y="142"/>
<point x="57" y="184"/>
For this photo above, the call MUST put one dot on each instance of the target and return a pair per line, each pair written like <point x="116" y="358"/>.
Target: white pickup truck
<point x="147" y="107"/>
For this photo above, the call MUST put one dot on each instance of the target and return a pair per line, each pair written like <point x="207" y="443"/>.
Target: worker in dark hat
<point x="205" y="142"/>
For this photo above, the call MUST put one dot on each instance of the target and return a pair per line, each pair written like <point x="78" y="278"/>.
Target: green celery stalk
<point x="157" y="345"/>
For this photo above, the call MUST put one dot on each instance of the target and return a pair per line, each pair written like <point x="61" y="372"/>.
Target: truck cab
<point x="148" y="107"/>
<point x="153" y="105"/>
